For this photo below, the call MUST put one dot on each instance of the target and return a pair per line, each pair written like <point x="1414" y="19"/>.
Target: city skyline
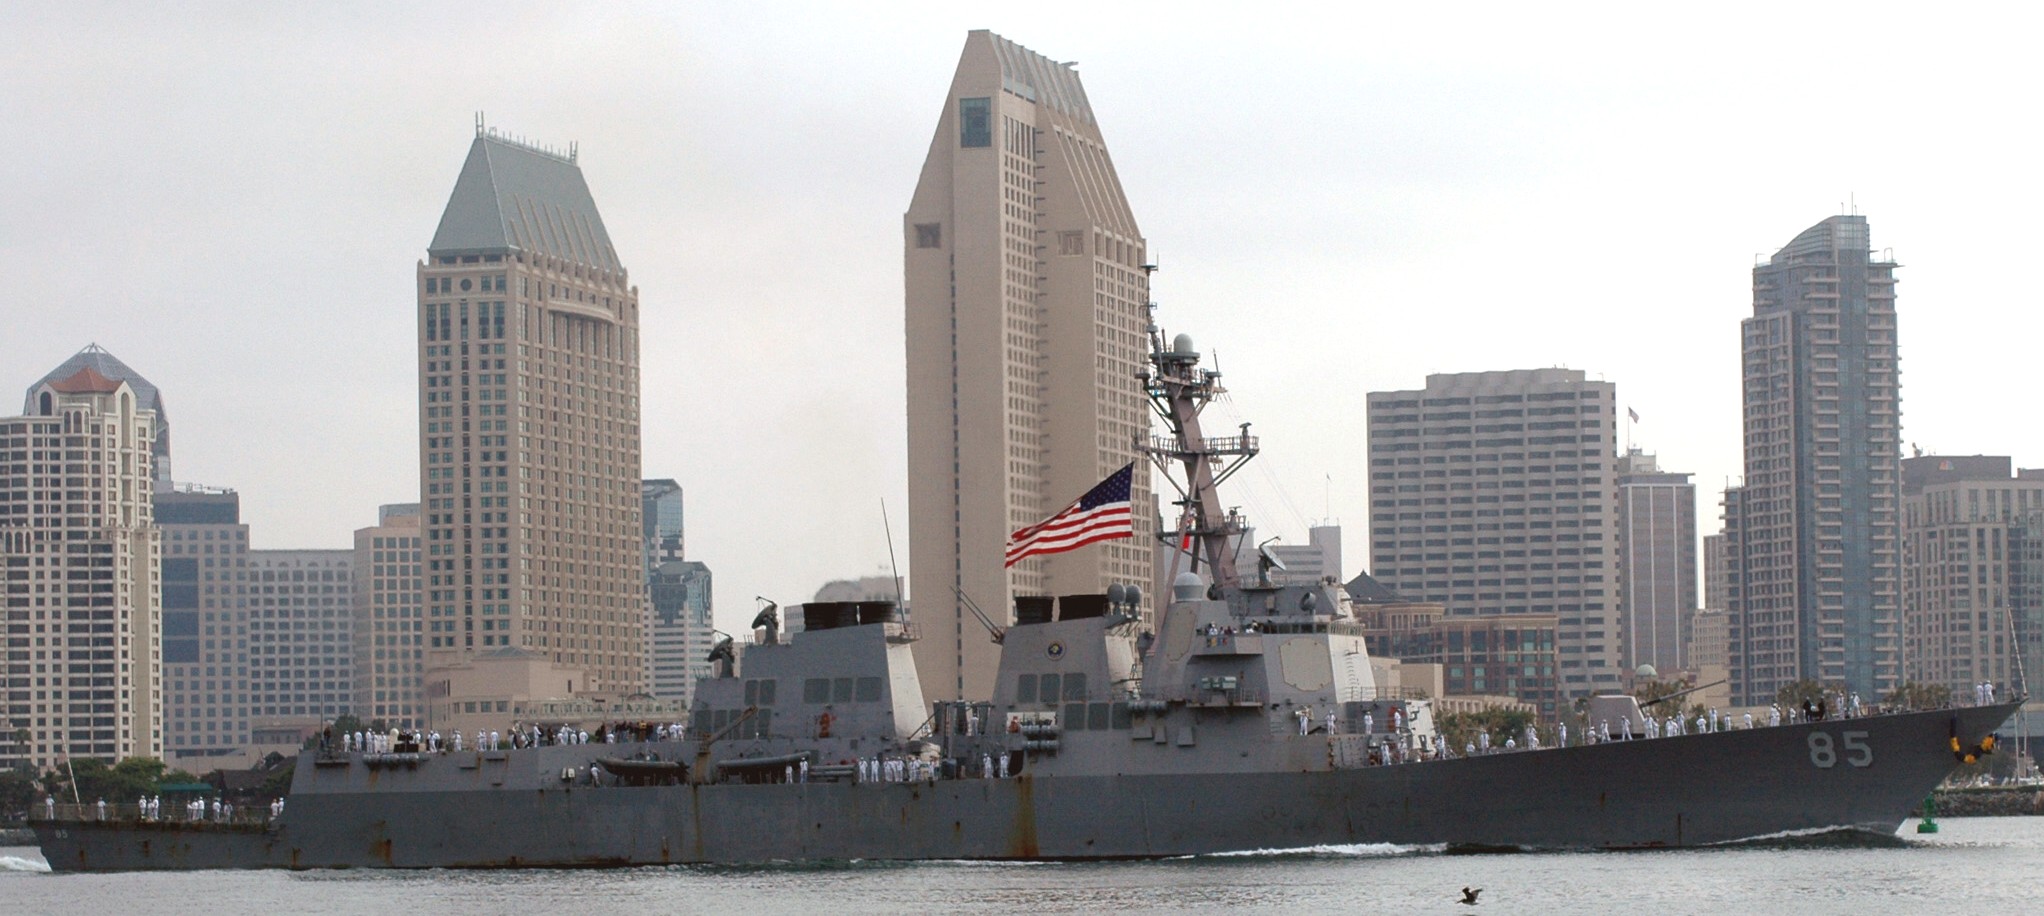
<point x="1346" y="222"/>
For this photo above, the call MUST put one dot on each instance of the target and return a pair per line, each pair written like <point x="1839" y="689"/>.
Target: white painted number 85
<point x="1824" y="755"/>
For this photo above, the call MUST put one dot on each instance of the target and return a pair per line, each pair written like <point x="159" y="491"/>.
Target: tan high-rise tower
<point x="529" y="422"/>
<point x="1026" y="325"/>
<point x="79" y="553"/>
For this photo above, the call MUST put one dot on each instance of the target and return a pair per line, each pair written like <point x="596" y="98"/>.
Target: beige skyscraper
<point x="529" y="422"/>
<point x="1972" y="572"/>
<point x="78" y="557"/>
<point x="1026" y="321"/>
<point x="390" y="629"/>
<point x="301" y="642"/>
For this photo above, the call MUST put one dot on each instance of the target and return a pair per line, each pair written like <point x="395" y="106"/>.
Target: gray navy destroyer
<point x="1248" y="721"/>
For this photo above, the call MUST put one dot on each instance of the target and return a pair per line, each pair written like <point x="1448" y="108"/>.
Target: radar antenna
<point x="1179" y="390"/>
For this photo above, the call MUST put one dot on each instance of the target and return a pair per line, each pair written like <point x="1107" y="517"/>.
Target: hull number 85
<point x="1824" y="754"/>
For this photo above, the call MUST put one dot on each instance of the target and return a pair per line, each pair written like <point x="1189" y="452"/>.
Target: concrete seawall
<point x="1993" y="802"/>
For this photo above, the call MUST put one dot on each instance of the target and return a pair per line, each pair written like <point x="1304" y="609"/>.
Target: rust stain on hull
<point x="1022" y="842"/>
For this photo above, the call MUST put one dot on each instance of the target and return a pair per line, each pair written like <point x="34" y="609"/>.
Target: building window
<point x="929" y="235"/>
<point x="976" y="123"/>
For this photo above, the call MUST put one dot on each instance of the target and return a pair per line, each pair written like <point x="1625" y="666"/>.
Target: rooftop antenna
<point x="481" y="127"/>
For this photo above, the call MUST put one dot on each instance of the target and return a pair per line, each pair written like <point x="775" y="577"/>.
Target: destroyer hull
<point x="1863" y="773"/>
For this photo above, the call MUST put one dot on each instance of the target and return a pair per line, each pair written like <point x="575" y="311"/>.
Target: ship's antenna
<point x="992" y="629"/>
<point x="899" y="601"/>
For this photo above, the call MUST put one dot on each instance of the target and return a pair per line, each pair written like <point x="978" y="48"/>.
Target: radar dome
<point x="1182" y="345"/>
<point x="1647" y="671"/>
<point x="1187" y="587"/>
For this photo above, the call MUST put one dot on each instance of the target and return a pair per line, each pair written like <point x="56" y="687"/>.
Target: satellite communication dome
<point x="1647" y="671"/>
<point x="1187" y="587"/>
<point x="1182" y="345"/>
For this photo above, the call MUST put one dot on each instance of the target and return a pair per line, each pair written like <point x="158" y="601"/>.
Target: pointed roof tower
<point x="97" y="360"/>
<point x="515" y="197"/>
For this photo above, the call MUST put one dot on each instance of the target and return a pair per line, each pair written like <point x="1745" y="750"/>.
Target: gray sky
<point x="232" y="199"/>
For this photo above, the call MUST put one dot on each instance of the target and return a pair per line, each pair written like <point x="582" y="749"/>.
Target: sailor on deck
<point x="1563" y="734"/>
<point x="1483" y="742"/>
<point x="1369" y="723"/>
<point x="1305" y="717"/>
<point x="1002" y="765"/>
<point x="1330" y="721"/>
<point x="1773" y="716"/>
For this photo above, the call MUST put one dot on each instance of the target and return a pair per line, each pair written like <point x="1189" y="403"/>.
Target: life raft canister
<point x="823" y="726"/>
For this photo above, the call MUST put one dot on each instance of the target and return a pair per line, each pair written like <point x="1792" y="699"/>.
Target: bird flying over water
<point x="1469" y="895"/>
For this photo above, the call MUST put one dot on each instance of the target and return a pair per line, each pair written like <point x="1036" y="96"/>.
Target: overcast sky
<point x="1343" y="198"/>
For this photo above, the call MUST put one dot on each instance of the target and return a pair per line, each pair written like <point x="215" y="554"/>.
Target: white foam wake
<point x="12" y="863"/>
<point x="1353" y="850"/>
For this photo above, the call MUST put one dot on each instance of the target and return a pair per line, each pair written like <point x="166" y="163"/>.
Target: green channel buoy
<point x="1929" y="824"/>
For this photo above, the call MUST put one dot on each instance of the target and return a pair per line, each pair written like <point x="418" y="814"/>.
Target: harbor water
<point x="1972" y="864"/>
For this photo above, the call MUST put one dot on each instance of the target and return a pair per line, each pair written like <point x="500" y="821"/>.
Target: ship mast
<point x="1179" y="390"/>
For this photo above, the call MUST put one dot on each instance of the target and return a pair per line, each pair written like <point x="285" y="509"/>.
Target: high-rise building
<point x="1657" y="562"/>
<point x="529" y="423"/>
<point x="1026" y="325"/>
<point x="1493" y="493"/>
<point x="1817" y="549"/>
<point x="1972" y="572"/>
<point x="78" y="552"/>
<point x="301" y="642"/>
<point x="1716" y="573"/>
<point x="97" y="359"/>
<point x="1313" y="561"/>
<point x="205" y="620"/>
<point x="682" y="630"/>
<point x="389" y="626"/>
<point x="679" y="628"/>
<point x="662" y="530"/>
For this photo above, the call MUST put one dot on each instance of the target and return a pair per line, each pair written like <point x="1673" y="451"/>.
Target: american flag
<point x="1100" y="515"/>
